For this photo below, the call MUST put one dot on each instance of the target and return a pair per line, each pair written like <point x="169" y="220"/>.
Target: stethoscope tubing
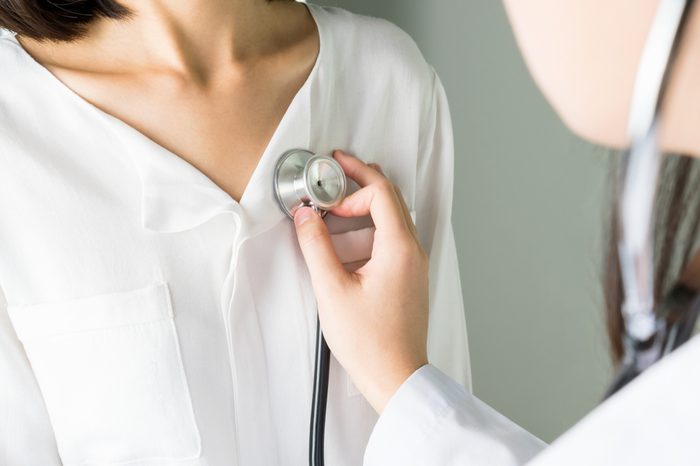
<point x="649" y="335"/>
<point x="319" y="399"/>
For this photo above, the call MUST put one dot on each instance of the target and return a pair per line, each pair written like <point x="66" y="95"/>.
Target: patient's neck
<point x="196" y="38"/>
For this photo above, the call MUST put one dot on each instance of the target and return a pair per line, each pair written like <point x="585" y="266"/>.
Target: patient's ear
<point x="584" y="55"/>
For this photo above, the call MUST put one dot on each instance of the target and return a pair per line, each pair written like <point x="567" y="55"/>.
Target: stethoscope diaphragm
<point x="303" y="178"/>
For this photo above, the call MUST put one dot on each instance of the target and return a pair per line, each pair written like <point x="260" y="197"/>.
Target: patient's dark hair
<point x="57" y="20"/>
<point x="676" y="237"/>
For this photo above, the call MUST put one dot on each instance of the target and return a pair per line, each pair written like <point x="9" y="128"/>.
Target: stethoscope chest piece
<point x="303" y="178"/>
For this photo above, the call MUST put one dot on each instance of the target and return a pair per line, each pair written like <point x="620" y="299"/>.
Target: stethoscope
<point x="652" y="330"/>
<point x="303" y="178"/>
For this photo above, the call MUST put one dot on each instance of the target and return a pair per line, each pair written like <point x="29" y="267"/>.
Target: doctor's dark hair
<point x="57" y="20"/>
<point x="676" y="237"/>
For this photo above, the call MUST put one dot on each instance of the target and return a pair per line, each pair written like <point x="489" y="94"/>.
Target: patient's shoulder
<point x="375" y="46"/>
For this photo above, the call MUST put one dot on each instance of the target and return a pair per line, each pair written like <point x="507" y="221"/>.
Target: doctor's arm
<point x="376" y="323"/>
<point x="26" y="436"/>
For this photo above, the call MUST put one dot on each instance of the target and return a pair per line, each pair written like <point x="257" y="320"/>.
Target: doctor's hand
<point x="375" y="319"/>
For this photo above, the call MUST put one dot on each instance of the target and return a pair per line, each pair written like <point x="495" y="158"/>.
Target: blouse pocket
<point x="111" y="374"/>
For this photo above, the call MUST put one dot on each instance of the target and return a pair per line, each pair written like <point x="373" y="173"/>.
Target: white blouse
<point x="147" y="318"/>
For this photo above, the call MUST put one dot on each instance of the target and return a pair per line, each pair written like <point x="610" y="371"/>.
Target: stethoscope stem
<point x="319" y="400"/>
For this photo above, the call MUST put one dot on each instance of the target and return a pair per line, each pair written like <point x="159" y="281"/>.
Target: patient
<point x="155" y="307"/>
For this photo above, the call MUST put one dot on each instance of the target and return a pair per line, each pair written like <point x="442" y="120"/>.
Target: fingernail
<point x="303" y="214"/>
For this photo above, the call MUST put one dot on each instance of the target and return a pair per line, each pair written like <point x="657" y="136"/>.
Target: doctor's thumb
<point x="317" y="248"/>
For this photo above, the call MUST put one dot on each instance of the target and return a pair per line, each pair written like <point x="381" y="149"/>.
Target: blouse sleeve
<point x="432" y="420"/>
<point x="26" y="436"/>
<point x="447" y="334"/>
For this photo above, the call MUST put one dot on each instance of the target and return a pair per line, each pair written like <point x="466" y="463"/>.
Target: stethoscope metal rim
<point x="293" y="182"/>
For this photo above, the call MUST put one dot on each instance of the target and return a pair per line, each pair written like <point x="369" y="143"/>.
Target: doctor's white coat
<point x="147" y="318"/>
<point x="654" y="421"/>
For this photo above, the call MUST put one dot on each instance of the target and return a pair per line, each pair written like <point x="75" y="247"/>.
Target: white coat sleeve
<point x="26" y="436"/>
<point x="447" y="333"/>
<point x="432" y="420"/>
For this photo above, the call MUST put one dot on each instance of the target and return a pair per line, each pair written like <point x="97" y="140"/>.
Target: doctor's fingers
<point x="406" y="213"/>
<point x="325" y="268"/>
<point x="377" y="197"/>
<point x="380" y="201"/>
<point x="404" y="207"/>
<point x="356" y="169"/>
<point x="368" y="179"/>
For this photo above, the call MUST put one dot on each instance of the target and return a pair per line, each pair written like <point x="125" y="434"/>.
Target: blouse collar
<point x="175" y="195"/>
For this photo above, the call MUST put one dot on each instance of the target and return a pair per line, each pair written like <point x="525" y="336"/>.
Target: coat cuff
<point x="432" y="420"/>
<point x="411" y="417"/>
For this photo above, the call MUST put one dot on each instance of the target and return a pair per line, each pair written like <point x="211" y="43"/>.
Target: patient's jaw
<point x="584" y="57"/>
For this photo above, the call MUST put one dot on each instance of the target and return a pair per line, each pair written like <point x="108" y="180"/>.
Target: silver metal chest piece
<point x="303" y="178"/>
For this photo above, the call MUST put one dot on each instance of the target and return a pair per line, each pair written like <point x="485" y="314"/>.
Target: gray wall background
<point x="529" y="200"/>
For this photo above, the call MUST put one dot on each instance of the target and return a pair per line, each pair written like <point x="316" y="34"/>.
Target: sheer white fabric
<point x="150" y="319"/>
